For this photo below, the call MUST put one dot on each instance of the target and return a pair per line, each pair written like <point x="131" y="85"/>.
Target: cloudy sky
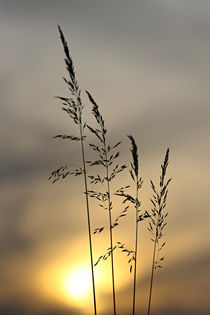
<point x="147" y="64"/>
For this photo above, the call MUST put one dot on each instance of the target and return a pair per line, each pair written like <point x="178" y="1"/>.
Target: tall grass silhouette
<point x="134" y="171"/>
<point x="105" y="159"/>
<point x="139" y="215"/>
<point x="158" y="222"/>
<point x="73" y="106"/>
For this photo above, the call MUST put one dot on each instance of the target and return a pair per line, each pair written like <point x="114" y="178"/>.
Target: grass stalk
<point x="157" y="222"/>
<point x="106" y="160"/>
<point x="88" y="217"/>
<point x="152" y="277"/>
<point x="134" y="171"/>
<point x="73" y="106"/>
<point x="136" y="253"/>
<point x="110" y="226"/>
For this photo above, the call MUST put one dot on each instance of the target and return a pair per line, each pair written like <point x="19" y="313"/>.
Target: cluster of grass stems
<point x="107" y="168"/>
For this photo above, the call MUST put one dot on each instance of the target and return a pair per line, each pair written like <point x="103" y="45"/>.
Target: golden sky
<point x="147" y="65"/>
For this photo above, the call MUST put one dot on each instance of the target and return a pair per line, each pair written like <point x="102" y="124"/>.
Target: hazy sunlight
<point x="78" y="284"/>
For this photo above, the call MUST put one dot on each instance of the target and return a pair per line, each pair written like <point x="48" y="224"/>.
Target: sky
<point x="147" y="65"/>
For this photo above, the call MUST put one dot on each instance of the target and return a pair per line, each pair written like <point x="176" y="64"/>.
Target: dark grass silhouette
<point x="139" y="215"/>
<point x="73" y="106"/>
<point x="106" y="159"/>
<point x="157" y="221"/>
<point x="134" y="171"/>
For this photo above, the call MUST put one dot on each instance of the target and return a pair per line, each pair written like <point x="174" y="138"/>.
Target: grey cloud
<point x="13" y="239"/>
<point x="14" y="308"/>
<point x="50" y="223"/>
<point x="190" y="275"/>
<point x="173" y="125"/>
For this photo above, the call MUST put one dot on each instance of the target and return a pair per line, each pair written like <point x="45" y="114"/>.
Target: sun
<point x="78" y="283"/>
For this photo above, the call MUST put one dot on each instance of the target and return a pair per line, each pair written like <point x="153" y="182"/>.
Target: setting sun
<point x="78" y="284"/>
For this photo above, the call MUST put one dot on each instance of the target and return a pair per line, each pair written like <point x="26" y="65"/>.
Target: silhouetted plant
<point x="106" y="159"/>
<point x="134" y="171"/>
<point x="73" y="106"/>
<point x="139" y="215"/>
<point x="158" y="222"/>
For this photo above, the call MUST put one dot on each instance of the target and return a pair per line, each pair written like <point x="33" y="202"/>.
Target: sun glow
<point x="68" y="278"/>
<point x="78" y="283"/>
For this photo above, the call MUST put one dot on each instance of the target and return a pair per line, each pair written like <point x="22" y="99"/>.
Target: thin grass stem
<point x="105" y="160"/>
<point x="110" y="229"/>
<point x="134" y="172"/>
<point x="88" y="217"/>
<point x="73" y="106"/>
<point x="158" y="222"/>
<point x="152" y="277"/>
<point x="136" y="251"/>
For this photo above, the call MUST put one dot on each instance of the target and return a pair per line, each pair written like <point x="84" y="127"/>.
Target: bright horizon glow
<point x="67" y="281"/>
<point x="78" y="283"/>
